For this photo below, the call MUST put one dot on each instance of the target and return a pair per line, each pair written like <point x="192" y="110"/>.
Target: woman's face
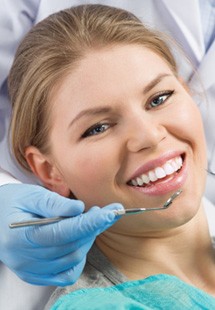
<point x="125" y="129"/>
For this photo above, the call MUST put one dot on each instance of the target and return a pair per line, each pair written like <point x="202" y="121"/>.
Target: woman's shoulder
<point x="155" y="292"/>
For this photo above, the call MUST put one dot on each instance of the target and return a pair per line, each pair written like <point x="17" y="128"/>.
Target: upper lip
<point x="152" y="164"/>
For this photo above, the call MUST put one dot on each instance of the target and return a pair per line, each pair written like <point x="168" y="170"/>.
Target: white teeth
<point x="168" y="168"/>
<point x="179" y="161"/>
<point x="139" y="181"/>
<point x="152" y="176"/>
<point x="145" y="178"/>
<point x="175" y="165"/>
<point x="160" y="173"/>
<point x="134" y="183"/>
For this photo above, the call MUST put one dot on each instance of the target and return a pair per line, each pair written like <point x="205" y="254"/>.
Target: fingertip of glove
<point x="114" y="206"/>
<point x="112" y="215"/>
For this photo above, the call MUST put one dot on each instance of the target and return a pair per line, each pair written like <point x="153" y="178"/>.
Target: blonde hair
<point x="52" y="49"/>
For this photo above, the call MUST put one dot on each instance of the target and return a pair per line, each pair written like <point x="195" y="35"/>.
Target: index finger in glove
<point x="50" y="204"/>
<point x="69" y="230"/>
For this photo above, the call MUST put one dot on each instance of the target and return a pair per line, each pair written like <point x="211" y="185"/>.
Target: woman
<point x="92" y="87"/>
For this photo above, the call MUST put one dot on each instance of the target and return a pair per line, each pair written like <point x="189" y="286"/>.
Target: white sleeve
<point x="16" y="18"/>
<point x="6" y="178"/>
<point x="210" y="213"/>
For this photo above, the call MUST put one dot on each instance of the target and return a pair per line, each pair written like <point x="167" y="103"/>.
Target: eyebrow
<point x="154" y="82"/>
<point x="90" y="112"/>
<point x="106" y="109"/>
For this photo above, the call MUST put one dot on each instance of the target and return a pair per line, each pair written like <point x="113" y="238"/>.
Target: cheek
<point x="89" y="173"/>
<point x="188" y="126"/>
<point x="189" y="129"/>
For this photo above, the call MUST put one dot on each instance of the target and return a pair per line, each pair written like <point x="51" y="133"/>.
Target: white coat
<point x="181" y="18"/>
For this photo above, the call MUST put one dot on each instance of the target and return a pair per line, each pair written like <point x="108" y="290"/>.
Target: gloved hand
<point x="52" y="254"/>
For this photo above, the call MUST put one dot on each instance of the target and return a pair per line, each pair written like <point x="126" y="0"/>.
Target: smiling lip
<point x="170" y="183"/>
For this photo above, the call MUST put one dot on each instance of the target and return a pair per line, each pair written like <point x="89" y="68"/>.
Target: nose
<point x="144" y="132"/>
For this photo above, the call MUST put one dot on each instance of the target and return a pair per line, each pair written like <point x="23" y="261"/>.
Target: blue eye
<point x="160" y="99"/>
<point x="96" y="130"/>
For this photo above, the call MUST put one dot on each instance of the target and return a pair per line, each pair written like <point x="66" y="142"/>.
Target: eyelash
<point x="89" y="132"/>
<point x="166" y="94"/>
<point x="106" y="126"/>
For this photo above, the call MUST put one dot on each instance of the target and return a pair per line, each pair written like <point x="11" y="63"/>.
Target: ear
<point x="46" y="171"/>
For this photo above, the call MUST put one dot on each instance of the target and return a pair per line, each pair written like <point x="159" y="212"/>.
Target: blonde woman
<point x="91" y="86"/>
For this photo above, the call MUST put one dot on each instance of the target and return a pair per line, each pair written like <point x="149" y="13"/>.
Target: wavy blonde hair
<point x="52" y="49"/>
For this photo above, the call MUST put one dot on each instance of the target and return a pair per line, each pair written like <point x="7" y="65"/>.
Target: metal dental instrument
<point x="45" y="221"/>
<point x="141" y="210"/>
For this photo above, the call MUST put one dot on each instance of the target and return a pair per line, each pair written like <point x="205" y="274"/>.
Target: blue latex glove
<point x="53" y="254"/>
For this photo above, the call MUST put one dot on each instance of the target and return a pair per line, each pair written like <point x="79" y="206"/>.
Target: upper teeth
<point x="159" y="172"/>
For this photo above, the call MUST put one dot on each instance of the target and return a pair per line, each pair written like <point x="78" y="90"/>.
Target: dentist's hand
<point x="52" y="254"/>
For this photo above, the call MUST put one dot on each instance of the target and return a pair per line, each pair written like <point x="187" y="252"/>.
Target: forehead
<point x="118" y="58"/>
<point x="109" y="73"/>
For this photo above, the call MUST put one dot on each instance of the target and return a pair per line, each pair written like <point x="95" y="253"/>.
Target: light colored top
<point x="7" y="178"/>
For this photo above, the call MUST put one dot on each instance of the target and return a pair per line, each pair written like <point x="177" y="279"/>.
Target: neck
<point x="185" y="252"/>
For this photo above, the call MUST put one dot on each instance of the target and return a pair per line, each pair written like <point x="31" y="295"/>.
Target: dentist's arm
<point x="16" y="19"/>
<point x="53" y="254"/>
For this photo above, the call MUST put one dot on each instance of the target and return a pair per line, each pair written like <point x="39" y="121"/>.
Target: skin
<point x="132" y="132"/>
